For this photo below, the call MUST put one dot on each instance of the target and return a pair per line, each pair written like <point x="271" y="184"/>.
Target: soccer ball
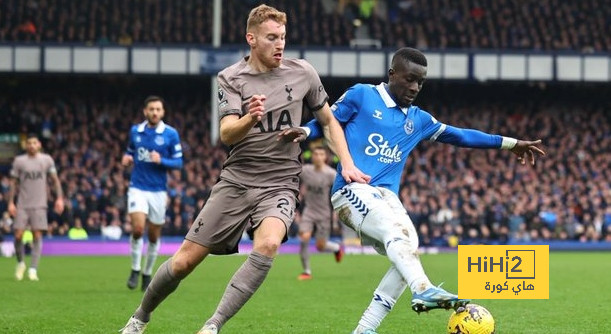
<point x="471" y="319"/>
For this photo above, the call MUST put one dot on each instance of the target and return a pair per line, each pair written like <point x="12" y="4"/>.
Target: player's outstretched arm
<point x="234" y="128"/>
<point x="526" y="149"/>
<point x="337" y="142"/>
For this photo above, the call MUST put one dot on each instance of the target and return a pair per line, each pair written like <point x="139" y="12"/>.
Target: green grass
<point x="88" y="295"/>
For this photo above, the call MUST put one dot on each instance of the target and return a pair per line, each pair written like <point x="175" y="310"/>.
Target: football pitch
<point x="89" y="295"/>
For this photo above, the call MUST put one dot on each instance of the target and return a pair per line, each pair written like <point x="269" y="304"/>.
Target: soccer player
<point x="259" y="97"/>
<point x="29" y="177"/>
<point x="154" y="148"/>
<point x="382" y="127"/>
<point x="316" y="179"/>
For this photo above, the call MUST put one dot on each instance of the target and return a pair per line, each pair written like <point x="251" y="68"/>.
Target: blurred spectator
<point x="480" y="24"/>
<point x="77" y="232"/>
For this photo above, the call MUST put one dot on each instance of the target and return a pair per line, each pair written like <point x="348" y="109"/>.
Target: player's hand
<point x="12" y="210"/>
<point x="59" y="206"/>
<point x="353" y="174"/>
<point x="155" y="157"/>
<point x="526" y="149"/>
<point x="127" y="160"/>
<point x="295" y="135"/>
<point x="256" y="108"/>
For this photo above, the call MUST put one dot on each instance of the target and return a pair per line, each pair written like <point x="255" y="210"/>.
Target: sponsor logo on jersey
<point x="377" y="114"/>
<point x="144" y="154"/>
<point x="380" y="147"/>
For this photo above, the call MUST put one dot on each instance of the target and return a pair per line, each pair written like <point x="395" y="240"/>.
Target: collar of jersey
<point x="390" y="103"/>
<point x="159" y="129"/>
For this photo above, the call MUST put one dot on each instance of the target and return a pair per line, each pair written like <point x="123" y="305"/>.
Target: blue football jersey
<point x="380" y="134"/>
<point x="143" y="140"/>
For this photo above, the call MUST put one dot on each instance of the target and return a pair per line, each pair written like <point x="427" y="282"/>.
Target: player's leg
<point x="384" y="298"/>
<point x="138" y="222"/>
<point x="138" y="208"/>
<point x="156" y="218"/>
<point x="39" y="224"/>
<point x="36" y="253"/>
<point x="323" y="244"/>
<point x="249" y="277"/>
<point x="268" y="235"/>
<point x="305" y="235"/>
<point x="152" y="251"/>
<point x="19" y="253"/>
<point x="403" y="253"/>
<point x="164" y="282"/>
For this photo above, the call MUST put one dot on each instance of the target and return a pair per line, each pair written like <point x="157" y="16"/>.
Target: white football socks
<point x="151" y="256"/>
<point x="384" y="298"/>
<point x="408" y="264"/>
<point x="136" y="252"/>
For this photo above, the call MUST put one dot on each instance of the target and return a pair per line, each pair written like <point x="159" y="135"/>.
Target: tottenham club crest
<point x="408" y="126"/>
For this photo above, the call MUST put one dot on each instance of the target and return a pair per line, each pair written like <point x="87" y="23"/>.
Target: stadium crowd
<point x="452" y="194"/>
<point x="440" y="24"/>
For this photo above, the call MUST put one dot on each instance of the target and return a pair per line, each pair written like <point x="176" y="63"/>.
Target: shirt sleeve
<point x="316" y="97"/>
<point x="52" y="169"/>
<point x="130" y="144"/>
<point x="15" y="170"/>
<point x="346" y="107"/>
<point x="431" y="128"/>
<point x="229" y="98"/>
<point x="175" y="159"/>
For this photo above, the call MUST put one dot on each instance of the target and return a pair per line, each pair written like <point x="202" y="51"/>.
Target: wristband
<point x="508" y="143"/>
<point x="307" y="130"/>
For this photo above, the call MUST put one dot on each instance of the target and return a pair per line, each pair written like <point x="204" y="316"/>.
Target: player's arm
<point x="59" y="193"/>
<point x="479" y="139"/>
<point x="234" y="128"/>
<point x="334" y="133"/>
<point x="12" y="209"/>
<point x="174" y="161"/>
<point x="128" y="158"/>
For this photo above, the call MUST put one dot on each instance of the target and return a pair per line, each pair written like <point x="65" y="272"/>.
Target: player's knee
<point x="137" y="232"/>
<point x="182" y="266"/>
<point x="268" y="246"/>
<point x="320" y="245"/>
<point x="402" y="238"/>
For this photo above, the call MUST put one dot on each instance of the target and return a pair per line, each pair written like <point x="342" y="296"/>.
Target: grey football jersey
<point x="260" y="160"/>
<point x="318" y="185"/>
<point x="32" y="175"/>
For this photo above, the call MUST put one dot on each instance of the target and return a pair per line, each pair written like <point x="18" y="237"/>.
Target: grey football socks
<point x="163" y="284"/>
<point x="304" y="254"/>
<point x="241" y="287"/>
<point x="19" y="250"/>
<point x="36" y="251"/>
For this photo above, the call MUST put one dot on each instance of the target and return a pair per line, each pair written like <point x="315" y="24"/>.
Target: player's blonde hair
<point x="263" y="13"/>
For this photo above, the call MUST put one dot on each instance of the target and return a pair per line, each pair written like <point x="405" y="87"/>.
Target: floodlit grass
<point x="88" y="295"/>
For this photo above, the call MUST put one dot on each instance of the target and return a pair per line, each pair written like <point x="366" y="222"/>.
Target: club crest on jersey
<point x="288" y="90"/>
<point x="159" y="140"/>
<point x="408" y="126"/>
<point x="138" y="139"/>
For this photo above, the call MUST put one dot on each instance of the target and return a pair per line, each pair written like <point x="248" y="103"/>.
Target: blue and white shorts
<point x="151" y="203"/>
<point x="375" y="213"/>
